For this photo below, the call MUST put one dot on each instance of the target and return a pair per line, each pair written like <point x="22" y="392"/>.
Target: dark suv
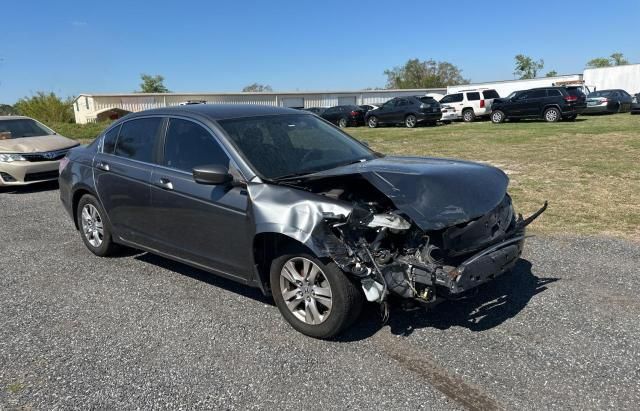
<point x="281" y="200"/>
<point x="410" y="111"/>
<point x="548" y="103"/>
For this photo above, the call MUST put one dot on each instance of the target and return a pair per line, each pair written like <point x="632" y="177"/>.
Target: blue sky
<point x="71" y="47"/>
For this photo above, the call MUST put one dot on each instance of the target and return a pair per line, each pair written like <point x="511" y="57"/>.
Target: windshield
<point x="22" y="127"/>
<point x="512" y="95"/>
<point x="293" y="144"/>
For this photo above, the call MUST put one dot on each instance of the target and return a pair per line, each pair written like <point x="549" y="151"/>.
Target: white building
<point x="90" y="108"/>
<point x="626" y="77"/>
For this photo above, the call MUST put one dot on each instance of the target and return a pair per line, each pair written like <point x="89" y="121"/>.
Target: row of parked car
<point x="548" y="103"/>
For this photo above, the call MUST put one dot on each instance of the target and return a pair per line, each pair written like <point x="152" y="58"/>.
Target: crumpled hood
<point x="36" y="144"/>
<point x="434" y="193"/>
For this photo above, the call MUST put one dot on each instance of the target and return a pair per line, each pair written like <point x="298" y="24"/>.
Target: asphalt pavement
<point x="140" y="331"/>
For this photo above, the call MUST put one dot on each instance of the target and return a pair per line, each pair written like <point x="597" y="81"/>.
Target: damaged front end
<point x="422" y="229"/>
<point x="392" y="256"/>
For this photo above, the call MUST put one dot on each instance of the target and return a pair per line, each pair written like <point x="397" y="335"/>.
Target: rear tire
<point x="468" y="115"/>
<point x="94" y="228"/>
<point x="342" y="123"/>
<point x="345" y="298"/>
<point x="410" y="121"/>
<point x="497" y="117"/>
<point x="552" y="114"/>
<point x="372" y="122"/>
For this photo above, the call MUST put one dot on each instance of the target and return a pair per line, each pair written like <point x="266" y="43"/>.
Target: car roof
<point x="218" y="111"/>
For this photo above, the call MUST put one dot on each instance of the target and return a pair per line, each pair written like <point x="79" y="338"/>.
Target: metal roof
<point x="270" y="93"/>
<point x="221" y="111"/>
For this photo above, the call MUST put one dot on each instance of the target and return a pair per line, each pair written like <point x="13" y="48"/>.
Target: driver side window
<point x="189" y="145"/>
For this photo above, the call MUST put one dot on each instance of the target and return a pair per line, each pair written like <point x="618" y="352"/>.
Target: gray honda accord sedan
<point x="284" y="201"/>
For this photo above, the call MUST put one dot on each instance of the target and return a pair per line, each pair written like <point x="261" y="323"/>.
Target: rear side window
<point x="109" y="140"/>
<point x="427" y="100"/>
<point x="488" y="94"/>
<point x="473" y="96"/>
<point x="189" y="145"/>
<point x="402" y="102"/>
<point x="137" y="138"/>
<point x="538" y="94"/>
<point x="553" y="93"/>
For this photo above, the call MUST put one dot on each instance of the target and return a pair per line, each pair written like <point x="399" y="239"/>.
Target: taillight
<point x="63" y="163"/>
<point x="354" y="113"/>
<point x="481" y="103"/>
<point x="570" y="98"/>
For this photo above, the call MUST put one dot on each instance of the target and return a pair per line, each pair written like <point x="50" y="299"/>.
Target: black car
<point x="635" y="104"/>
<point x="279" y="199"/>
<point x="315" y="110"/>
<point x="410" y="111"/>
<point x="344" y="116"/>
<point x="608" y="101"/>
<point x="548" y="103"/>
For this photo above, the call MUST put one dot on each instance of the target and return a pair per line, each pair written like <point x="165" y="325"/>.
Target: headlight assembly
<point x="8" y="158"/>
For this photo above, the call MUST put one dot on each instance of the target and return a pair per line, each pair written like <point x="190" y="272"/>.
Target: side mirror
<point x="212" y="174"/>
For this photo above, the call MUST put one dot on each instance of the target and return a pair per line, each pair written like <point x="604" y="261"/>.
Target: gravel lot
<point x="563" y="331"/>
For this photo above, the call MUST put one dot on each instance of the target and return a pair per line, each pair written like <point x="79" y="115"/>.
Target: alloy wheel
<point x="410" y="121"/>
<point x="342" y="123"/>
<point x="373" y="122"/>
<point x="92" y="225"/>
<point x="551" y="115"/>
<point x="496" y="117"/>
<point x="306" y="290"/>
<point x="468" y="116"/>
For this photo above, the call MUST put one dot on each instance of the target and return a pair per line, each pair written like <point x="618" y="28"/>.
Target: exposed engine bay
<point x="391" y="255"/>
<point x="423" y="229"/>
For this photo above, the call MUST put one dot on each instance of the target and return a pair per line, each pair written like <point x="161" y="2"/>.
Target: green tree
<point x="257" y="88"/>
<point x="599" y="62"/>
<point x="7" y="110"/>
<point x="526" y="67"/>
<point x="46" y="107"/>
<point x="424" y="74"/>
<point x="616" y="59"/>
<point x="152" y="84"/>
<point x="551" y="73"/>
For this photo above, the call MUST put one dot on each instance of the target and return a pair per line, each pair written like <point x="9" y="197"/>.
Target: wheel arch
<point x="551" y="105"/>
<point x="78" y="193"/>
<point x="269" y="245"/>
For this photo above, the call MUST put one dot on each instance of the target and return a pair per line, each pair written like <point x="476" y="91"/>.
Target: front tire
<point x="316" y="299"/>
<point x="497" y="117"/>
<point x="372" y="122"/>
<point x="342" y="123"/>
<point x="552" y="114"/>
<point x="410" y="121"/>
<point x="94" y="229"/>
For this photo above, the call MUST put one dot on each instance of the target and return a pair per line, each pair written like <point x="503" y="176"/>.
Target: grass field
<point x="589" y="170"/>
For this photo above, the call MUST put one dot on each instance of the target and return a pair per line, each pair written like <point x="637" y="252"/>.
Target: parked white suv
<point x="468" y="104"/>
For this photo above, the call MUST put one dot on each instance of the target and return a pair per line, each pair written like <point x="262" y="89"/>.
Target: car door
<point x="331" y="114"/>
<point x="536" y="101"/>
<point x="401" y="109"/>
<point x="386" y="112"/>
<point x="122" y="174"/>
<point x="519" y="104"/>
<point x="202" y="224"/>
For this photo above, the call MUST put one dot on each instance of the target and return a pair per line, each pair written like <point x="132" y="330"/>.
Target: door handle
<point x="165" y="183"/>
<point x="103" y="166"/>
